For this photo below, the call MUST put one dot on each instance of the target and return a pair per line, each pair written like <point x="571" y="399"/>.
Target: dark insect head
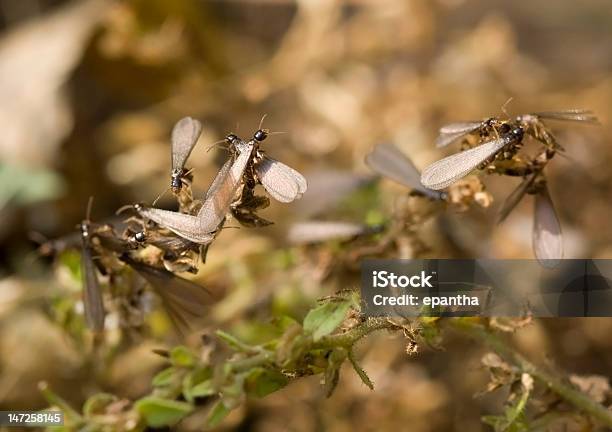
<point x="232" y="139"/>
<point x="261" y="135"/>
<point x="517" y="133"/>
<point x="175" y="180"/>
<point x="140" y="236"/>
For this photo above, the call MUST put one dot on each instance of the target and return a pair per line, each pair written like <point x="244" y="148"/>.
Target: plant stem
<point x="348" y="339"/>
<point x="565" y="391"/>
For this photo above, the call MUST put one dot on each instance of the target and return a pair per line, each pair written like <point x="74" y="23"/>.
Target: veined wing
<point x="185" y="135"/>
<point x="447" y="171"/>
<point x="387" y="160"/>
<point x="184" y="225"/>
<point x="454" y="131"/>
<point x="92" y="293"/>
<point x="547" y="238"/>
<point x="281" y="181"/>
<point x="185" y="301"/>
<point x="515" y="197"/>
<point x="319" y="231"/>
<point x="219" y="197"/>
<point x="569" y="115"/>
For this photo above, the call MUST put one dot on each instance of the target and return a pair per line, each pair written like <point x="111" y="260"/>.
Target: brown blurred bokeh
<point x="91" y="89"/>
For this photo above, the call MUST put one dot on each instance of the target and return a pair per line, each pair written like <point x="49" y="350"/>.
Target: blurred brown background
<point x="90" y="91"/>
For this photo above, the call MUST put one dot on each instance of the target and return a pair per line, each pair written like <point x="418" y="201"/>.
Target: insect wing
<point x="183" y="225"/>
<point x="185" y="135"/>
<point x="547" y="238"/>
<point x="569" y="115"/>
<point x="219" y="197"/>
<point x="282" y="182"/>
<point x="389" y="161"/>
<point x="446" y="171"/>
<point x="320" y="231"/>
<point x="454" y="131"/>
<point x="92" y="293"/>
<point x="515" y="197"/>
<point x="184" y="300"/>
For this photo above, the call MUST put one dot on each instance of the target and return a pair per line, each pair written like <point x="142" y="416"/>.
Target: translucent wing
<point x="319" y="231"/>
<point x="389" y="161"/>
<point x="172" y="244"/>
<point x="184" y="225"/>
<point x="569" y="115"/>
<point x="184" y="300"/>
<point x="185" y="135"/>
<point x="282" y="182"/>
<point x="454" y="131"/>
<point x="547" y="238"/>
<point x="515" y="197"/>
<point x="447" y="171"/>
<point x="327" y="188"/>
<point x="219" y="197"/>
<point x="92" y="294"/>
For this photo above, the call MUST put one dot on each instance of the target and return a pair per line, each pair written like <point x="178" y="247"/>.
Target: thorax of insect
<point x="534" y="126"/>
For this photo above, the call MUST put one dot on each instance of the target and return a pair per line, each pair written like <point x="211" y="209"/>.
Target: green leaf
<point x="158" y="412"/>
<point x="203" y="389"/>
<point x="194" y="378"/>
<point x="261" y="382"/>
<point x="326" y="318"/>
<point x="165" y="377"/>
<point x="217" y="414"/>
<point x="182" y="357"/>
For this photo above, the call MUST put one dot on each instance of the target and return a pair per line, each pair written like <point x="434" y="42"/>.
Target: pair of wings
<point x="185" y="302"/>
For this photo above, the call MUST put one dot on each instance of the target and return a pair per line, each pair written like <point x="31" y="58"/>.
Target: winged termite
<point x="185" y="135"/>
<point x="320" y="231"/>
<point x="389" y="161"/>
<point x="202" y="227"/>
<point x="282" y="182"/>
<point x="547" y="238"/>
<point x="185" y="302"/>
<point x="446" y="171"/>
<point x="92" y="293"/>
